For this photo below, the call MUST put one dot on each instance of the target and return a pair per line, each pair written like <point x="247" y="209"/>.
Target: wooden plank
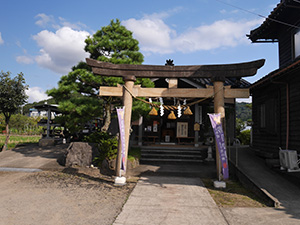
<point x="111" y="91"/>
<point x="173" y="83"/>
<point x="237" y="93"/>
<point x="173" y="92"/>
<point x="153" y="71"/>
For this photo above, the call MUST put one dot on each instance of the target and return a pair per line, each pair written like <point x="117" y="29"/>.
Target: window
<point x="262" y="112"/>
<point x="182" y="129"/>
<point x="268" y="116"/>
<point x="297" y="44"/>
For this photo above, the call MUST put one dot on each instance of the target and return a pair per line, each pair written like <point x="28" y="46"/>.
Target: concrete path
<point x="170" y="200"/>
<point x="172" y="194"/>
<point x="32" y="156"/>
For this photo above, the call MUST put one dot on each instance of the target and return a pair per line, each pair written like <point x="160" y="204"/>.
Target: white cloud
<point x="36" y="94"/>
<point x="156" y="36"/>
<point x="247" y="100"/>
<point x="24" y="59"/>
<point x="76" y="26"/>
<point x="1" y="40"/>
<point x="152" y="33"/>
<point x="221" y="33"/>
<point x="44" y="20"/>
<point x="50" y="21"/>
<point x="61" y="50"/>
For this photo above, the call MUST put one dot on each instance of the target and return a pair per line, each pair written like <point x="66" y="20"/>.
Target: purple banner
<point x="216" y="123"/>
<point x="120" y="113"/>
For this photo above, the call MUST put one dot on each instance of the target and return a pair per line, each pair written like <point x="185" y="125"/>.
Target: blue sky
<point x="44" y="39"/>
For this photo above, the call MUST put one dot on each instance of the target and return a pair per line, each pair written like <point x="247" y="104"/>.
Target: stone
<point x="80" y="154"/>
<point x="46" y="142"/>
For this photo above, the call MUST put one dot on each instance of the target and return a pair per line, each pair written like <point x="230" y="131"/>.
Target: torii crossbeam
<point x="217" y="73"/>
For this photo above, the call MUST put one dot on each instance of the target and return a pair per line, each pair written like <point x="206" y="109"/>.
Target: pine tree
<point x="78" y="92"/>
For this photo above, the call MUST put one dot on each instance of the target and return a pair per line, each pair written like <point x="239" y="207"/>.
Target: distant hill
<point x="243" y="111"/>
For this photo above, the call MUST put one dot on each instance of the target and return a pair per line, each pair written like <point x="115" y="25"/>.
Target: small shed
<point x="51" y="111"/>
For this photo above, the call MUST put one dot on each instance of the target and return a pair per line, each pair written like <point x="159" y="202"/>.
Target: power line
<point x="267" y="18"/>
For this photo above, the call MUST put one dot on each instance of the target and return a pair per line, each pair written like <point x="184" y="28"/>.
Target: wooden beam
<point x="174" y="92"/>
<point x="237" y="93"/>
<point x="154" y="71"/>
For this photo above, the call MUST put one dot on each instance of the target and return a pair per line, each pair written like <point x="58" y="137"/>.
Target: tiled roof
<point x="277" y="73"/>
<point x="286" y="13"/>
<point x="233" y="82"/>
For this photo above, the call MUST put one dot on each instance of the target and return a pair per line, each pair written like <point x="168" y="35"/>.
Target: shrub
<point x="107" y="144"/>
<point x="134" y="153"/>
<point x="245" y="137"/>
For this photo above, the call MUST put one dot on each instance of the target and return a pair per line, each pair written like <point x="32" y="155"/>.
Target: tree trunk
<point x="6" y="139"/>
<point x="107" y="118"/>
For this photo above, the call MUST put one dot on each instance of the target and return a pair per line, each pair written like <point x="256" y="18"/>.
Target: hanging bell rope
<point x="153" y="112"/>
<point x="172" y="116"/>
<point x="187" y="111"/>
<point x="172" y="108"/>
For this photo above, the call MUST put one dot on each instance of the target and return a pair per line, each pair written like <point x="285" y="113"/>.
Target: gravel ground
<point x="71" y="196"/>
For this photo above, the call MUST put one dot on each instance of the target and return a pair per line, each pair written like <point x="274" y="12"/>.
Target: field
<point x="19" y="139"/>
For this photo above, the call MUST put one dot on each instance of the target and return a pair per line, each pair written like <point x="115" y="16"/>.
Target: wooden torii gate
<point x="217" y="73"/>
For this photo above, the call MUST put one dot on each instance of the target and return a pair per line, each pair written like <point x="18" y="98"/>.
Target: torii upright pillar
<point x="127" y="102"/>
<point x="219" y="108"/>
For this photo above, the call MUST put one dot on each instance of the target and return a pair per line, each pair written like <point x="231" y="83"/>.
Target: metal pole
<point x="48" y="123"/>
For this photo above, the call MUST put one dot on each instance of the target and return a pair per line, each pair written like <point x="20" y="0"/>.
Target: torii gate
<point x="217" y="73"/>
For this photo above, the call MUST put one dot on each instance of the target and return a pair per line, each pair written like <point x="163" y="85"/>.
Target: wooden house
<point x="276" y="97"/>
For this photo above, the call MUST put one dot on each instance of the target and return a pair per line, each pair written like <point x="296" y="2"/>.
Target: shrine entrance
<point x="217" y="91"/>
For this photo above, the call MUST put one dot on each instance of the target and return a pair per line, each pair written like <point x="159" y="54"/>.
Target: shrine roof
<point x="219" y="71"/>
<point x="233" y="82"/>
<point x="42" y="107"/>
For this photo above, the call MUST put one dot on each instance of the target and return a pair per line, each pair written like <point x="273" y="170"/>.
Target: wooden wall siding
<point x="294" y="83"/>
<point x="285" y="49"/>
<point x="267" y="141"/>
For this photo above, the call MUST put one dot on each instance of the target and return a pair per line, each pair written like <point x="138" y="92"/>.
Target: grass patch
<point x="134" y="153"/>
<point x="234" y="195"/>
<point x="19" y="139"/>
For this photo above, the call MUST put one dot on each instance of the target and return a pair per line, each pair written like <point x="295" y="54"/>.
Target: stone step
<point x="171" y="151"/>
<point x="168" y="161"/>
<point x="175" y="147"/>
<point x="171" y="156"/>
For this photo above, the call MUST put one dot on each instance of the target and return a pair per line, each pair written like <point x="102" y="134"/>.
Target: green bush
<point x="108" y="147"/>
<point x="244" y="137"/>
<point x="21" y="125"/>
<point x="107" y="144"/>
<point x="134" y="153"/>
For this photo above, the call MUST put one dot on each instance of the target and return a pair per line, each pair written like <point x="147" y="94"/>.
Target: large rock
<point x="46" y="142"/>
<point x="108" y="167"/>
<point x="80" y="154"/>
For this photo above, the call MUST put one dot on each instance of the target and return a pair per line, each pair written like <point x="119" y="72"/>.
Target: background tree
<point x="78" y="92"/>
<point x="12" y="96"/>
<point x="243" y="111"/>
